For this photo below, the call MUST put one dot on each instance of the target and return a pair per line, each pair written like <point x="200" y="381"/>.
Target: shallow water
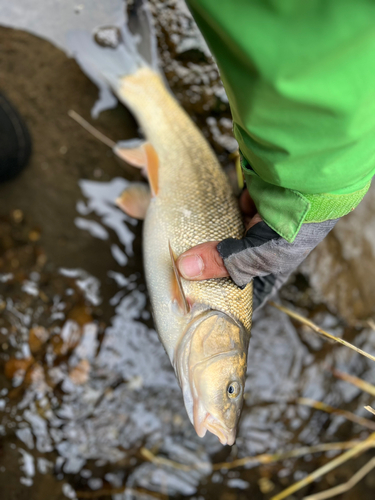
<point x="85" y="383"/>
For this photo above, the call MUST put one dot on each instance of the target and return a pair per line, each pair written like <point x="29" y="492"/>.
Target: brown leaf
<point x="80" y="373"/>
<point x="80" y="314"/>
<point x="34" y="375"/>
<point x="13" y="365"/>
<point x="37" y="337"/>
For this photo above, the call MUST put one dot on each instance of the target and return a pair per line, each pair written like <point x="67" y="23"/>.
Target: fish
<point x="204" y="326"/>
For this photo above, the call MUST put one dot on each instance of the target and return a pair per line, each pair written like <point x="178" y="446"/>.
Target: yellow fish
<point x="204" y="326"/>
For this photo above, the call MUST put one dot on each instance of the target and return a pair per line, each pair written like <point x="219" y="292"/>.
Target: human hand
<point x="262" y="255"/>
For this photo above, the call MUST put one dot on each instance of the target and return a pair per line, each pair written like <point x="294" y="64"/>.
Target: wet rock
<point x="68" y="338"/>
<point x="35" y="375"/>
<point x="342" y="268"/>
<point x="37" y="337"/>
<point x="26" y="437"/>
<point x="108" y="36"/>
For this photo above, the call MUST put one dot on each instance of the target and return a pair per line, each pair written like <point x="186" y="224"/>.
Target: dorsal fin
<point x="177" y="289"/>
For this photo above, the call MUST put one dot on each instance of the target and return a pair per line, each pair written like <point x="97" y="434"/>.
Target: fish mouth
<point x="211" y="424"/>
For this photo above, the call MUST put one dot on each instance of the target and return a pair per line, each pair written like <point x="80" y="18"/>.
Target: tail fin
<point x="112" y="52"/>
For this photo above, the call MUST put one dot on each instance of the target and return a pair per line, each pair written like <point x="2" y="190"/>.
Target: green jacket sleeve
<point x="300" y="78"/>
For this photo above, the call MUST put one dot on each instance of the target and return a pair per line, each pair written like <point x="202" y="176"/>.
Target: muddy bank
<point x="44" y="84"/>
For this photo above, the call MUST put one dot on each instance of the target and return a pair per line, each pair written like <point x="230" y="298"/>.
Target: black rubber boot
<point x="15" y="142"/>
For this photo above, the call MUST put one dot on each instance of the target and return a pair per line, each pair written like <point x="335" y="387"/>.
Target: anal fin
<point x="177" y="289"/>
<point x="134" y="200"/>
<point x="141" y="156"/>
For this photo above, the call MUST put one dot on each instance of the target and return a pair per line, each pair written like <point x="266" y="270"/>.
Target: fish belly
<point x="194" y="203"/>
<point x="200" y="208"/>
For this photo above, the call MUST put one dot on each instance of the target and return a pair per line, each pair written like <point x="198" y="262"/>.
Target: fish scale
<point x="194" y="203"/>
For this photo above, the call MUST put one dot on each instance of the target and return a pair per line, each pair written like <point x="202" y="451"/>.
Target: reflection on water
<point x="84" y="392"/>
<point x="101" y="198"/>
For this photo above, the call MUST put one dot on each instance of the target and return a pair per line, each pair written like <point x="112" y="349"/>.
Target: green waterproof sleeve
<point x="300" y="78"/>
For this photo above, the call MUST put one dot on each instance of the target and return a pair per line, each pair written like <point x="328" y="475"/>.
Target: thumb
<point x="202" y="262"/>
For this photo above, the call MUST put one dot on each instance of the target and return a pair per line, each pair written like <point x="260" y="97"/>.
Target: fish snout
<point x="226" y="436"/>
<point x="204" y="421"/>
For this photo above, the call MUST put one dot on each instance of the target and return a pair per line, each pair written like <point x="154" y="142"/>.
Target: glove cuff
<point x="256" y="236"/>
<point x="263" y="252"/>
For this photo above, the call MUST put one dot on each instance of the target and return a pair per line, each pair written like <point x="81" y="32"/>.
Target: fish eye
<point x="233" y="389"/>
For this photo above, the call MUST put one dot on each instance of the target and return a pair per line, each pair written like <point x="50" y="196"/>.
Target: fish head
<point x="213" y="375"/>
<point x="219" y="388"/>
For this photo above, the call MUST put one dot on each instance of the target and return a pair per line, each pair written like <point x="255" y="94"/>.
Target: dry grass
<point x="318" y="405"/>
<point x="264" y="458"/>
<point x="351" y="379"/>
<point x="354" y="451"/>
<point x="92" y="130"/>
<point x="370" y="409"/>
<point x="343" y="488"/>
<point x="351" y="449"/>
<point x="322" y="332"/>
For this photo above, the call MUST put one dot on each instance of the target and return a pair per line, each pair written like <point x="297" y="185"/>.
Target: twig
<point x="100" y="493"/>
<point x="370" y="409"/>
<point x="92" y="130"/>
<point x="318" y="405"/>
<point x="360" y="448"/>
<point x="351" y="379"/>
<point x="317" y="329"/>
<point x="117" y="491"/>
<point x="342" y="488"/>
<point x="267" y="458"/>
<point x="148" y="455"/>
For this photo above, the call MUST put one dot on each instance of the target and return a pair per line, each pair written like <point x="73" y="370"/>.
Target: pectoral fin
<point x="134" y="201"/>
<point x="136" y="152"/>
<point x="132" y="152"/>
<point x="177" y="289"/>
<point x="141" y="155"/>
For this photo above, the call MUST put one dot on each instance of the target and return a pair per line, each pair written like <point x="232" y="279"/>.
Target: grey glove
<point x="265" y="257"/>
